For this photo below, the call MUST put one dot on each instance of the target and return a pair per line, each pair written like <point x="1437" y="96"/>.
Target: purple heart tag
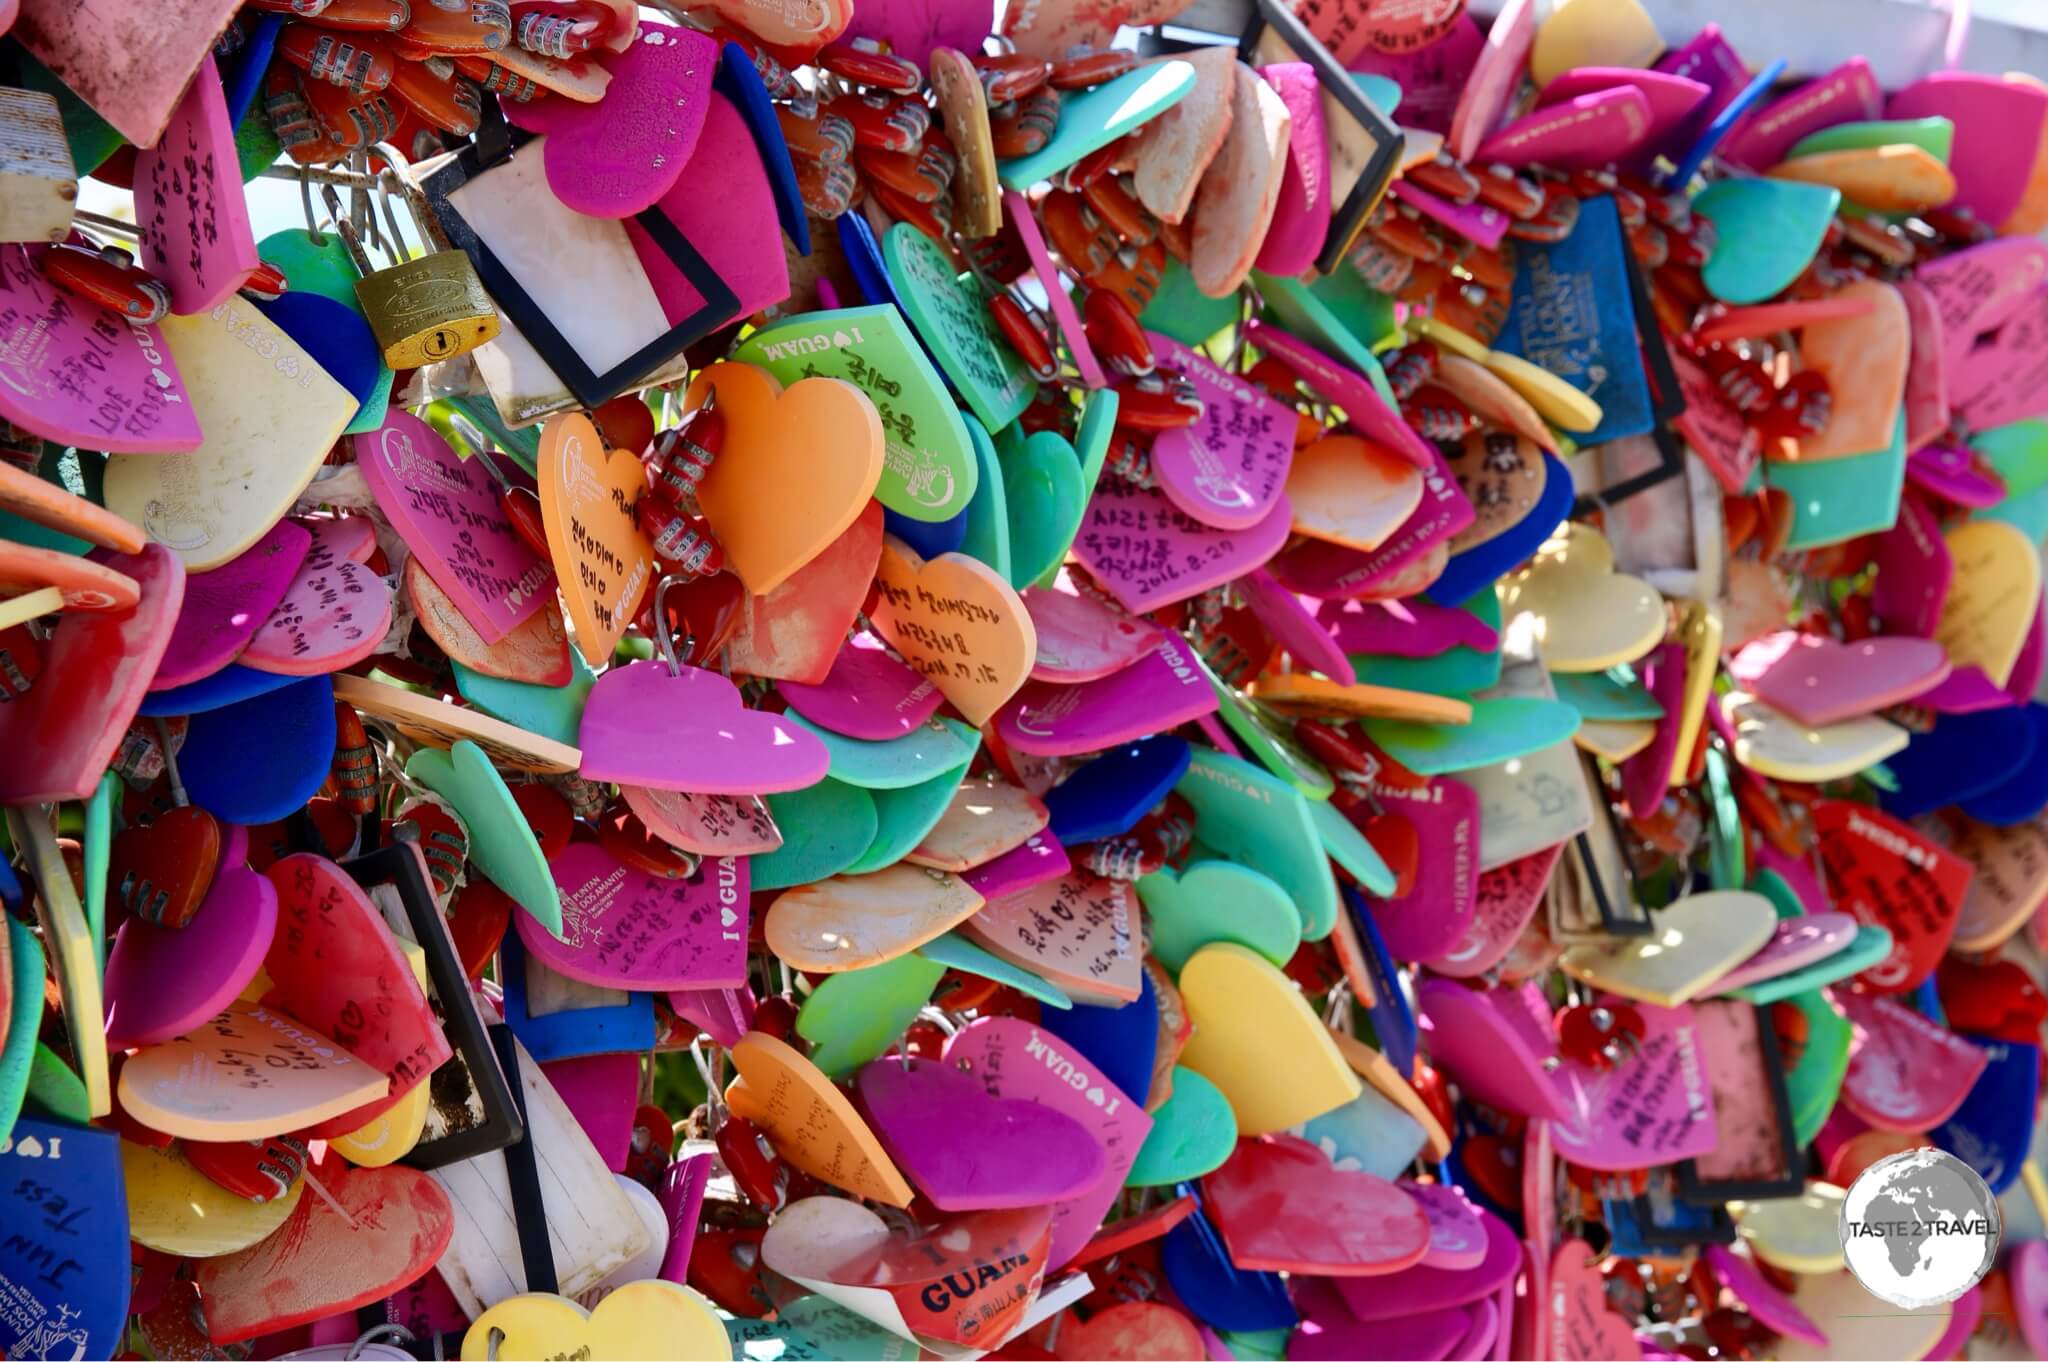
<point x="1914" y="571"/>
<point x="643" y="726"/>
<point x="1495" y="1043"/>
<point x="163" y="981"/>
<point x="1652" y="1107"/>
<point x="867" y="695"/>
<point x="1147" y="552"/>
<point x="1437" y="911"/>
<point x="1415" y="627"/>
<point x="1288" y="619"/>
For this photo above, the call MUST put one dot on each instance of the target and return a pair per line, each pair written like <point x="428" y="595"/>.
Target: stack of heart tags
<point x="810" y="680"/>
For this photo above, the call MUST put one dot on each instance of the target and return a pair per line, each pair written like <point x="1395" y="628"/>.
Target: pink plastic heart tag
<point x="1370" y="415"/>
<point x="1318" y="568"/>
<point x="1158" y="692"/>
<point x="705" y="741"/>
<point x="867" y="695"/>
<point x="1581" y="133"/>
<point x="1905" y="1071"/>
<point x="163" y="981"/>
<point x="624" y="928"/>
<point x="1082" y="638"/>
<point x="705" y="825"/>
<point x="1952" y="473"/>
<point x="1437" y="912"/>
<point x="1653" y="1107"/>
<point x="1819" y="681"/>
<point x="1039" y="861"/>
<point x="1507" y="897"/>
<point x="1302" y="220"/>
<point x="1293" y="626"/>
<point x="1409" y="628"/>
<point x="1847" y="94"/>
<point x="1147" y="552"/>
<point x="224" y="608"/>
<point x="1914" y="571"/>
<point x="1495" y="1043"/>
<point x="1796" y="942"/>
<point x="189" y="205"/>
<point x="333" y="615"/>
<point x="1229" y="468"/>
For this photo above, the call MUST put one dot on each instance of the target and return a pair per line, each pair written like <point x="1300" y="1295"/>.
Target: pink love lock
<point x="619" y="157"/>
<point x="1847" y="94"/>
<point x="1581" y="1328"/>
<point x="1457" y="1228"/>
<point x="224" y="608"/>
<point x="189" y="207"/>
<point x="705" y="825"/>
<point x="969" y="1151"/>
<point x="1998" y="132"/>
<point x="446" y="509"/>
<point x="1302" y="219"/>
<point x="1494" y="77"/>
<point x="1927" y="405"/>
<point x="1672" y="98"/>
<point x="1025" y="223"/>
<point x="1080" y="638"/>
<point x="1979" y="288"/>
<point x="1507" y="897"/>
<point x="868" y="694"/>
<point x="1914" y="571"/>
<point x="1652" y="1107"/>
<point x="1039" y="861"/>
<point x="1905" y="1071"/>
<point x="736" y="230"/>
<point x="1293" y="626"/>
<point x="1436" y="914"/>
<point x="1795" y="943"/>
<point x="1952" y="473"/>
<point x="1474" y="221"/>
<point x="1430" y="77"/>
<point x="1427" y="1287"/>
<point x="333" y="615"/>
<point x="1819" y="681"/>
<point x="625" y="928"/>
<point x="706" y="741"/>
<point x="1147" y="552"/>
<point x="1580" y="134"/>
<point x="1414" y="627"/>
<point x="1496" y="1043"/>
<point x="162" y="981"/>
<point x="1160" y="691"/>
<point x="1229" y="468"/>
<point x="1318" y="568"/>
<point x="1772" y="1307"/>
<point x="1370" y="414"/>
<point x="85" y="375"/>
<point x="1013" y="1059"/>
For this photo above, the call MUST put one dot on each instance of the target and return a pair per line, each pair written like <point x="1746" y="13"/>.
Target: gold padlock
<point x="422" y="309"/>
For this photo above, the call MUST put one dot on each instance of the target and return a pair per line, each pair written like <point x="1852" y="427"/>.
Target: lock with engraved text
<point x="422" y="309"/>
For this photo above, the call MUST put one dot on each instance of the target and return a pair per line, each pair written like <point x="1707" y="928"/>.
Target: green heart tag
<point x="1871" y="945"/>
<point x="1091" y="441"/>
<point x="1042" y="489"/>
<point x="1193" y="1133"/>
<point x="1184" y="312"/>
<point x="951" y="317"/>
<point x="1935" y="136"/>
<point x="1347" y="846"/>
<point x="1258" y="820"/>
<point x="1092" y="119"/>
<point x="813" y="1329"/>
<point x="1218" y="901"/>
<point x="1269" y="737"/>
<point x="1838" y="499"/>
<point x="1815" y="1081"/>
<point x="1502" y="728"/>
<point x="256" y="144"/>
<point x="928" y="470"/>
<point x="853" y="1017"/>
<point x="1725" y="856"/>
<point x="1457" y="671"/>
<point x="903" y="815"/>
<point x="1306" y="315"/>
<point x="98" y="842"/>
<point x="955" y="951"/>
<point x="1766" y="234"/>
<point x="825" y="828"/>
<point x="501" y="844"/>
<point x="1604" y="697"/>
<point x="1365" y="313"/>
<point x="1779" y="891"/>
<point x="25" y="994"/>
<point x="2018" y="453"/>
<point x="54" y="1088"/>
<point x="938" y="746"/>
<point x="551" y="711"/>
<point x="988" y="515"/>
<point x="1256" y="1345"/>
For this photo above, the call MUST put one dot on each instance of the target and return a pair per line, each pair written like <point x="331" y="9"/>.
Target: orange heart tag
<point x="811" y="1123"/>
<point x="959" y="623"/>
<point x="602" y="559"/>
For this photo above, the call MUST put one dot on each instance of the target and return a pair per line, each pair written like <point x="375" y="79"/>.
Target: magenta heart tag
<point x="1582" y="133"/>
<point x="1319" y="568"/>
<point x="1025" y="224"/>
<point x="1329" y="1332"/>
<point x="1415" y="627"/>
<point x="1013" y="1059"/>
<point x="163" y="981"/>
<point x="601" y="1092"/>
<point x="724" y="1014"/>
<point x="1772" y="1308"/>
<point x="736" y="229"/>
<point x="867" y="695"/>
<point x="189" y="205"/>
<point x="1370" y="414"/>
<point x="689" y="731"/>
<point x="1653" y="1107"/>
<point x="1424" y="1287"/>
<point x="1797" y="942"/>
<point x="85" y="375"/>
<point x="2027" y="668"/>
<point x="969" y="1151"/>
<point x="705" y="825"/>
<point x="1905" y="1071"/>
<point x="1039" y="860"/>
<point x="1160" y="691"/>
<point x="1301" y="221"/>
<point x="624" y="928"/>
<point x="1998" y="134"/>
<point x="1927" y="405"/>
<point x="334" y="614"/>
<point x="1847" y="94"/>
<point x="1979" y="288"/>
<point x="1672" y="98"/>
<point x="1507" y="897"/>
<point x="1497" y="1044"/>
<point x="1647" y="775"/>
<point x="1914" y="571"/>
<point x="1475" y="221"/>
<point x="1082" y="638"/>
<point x="2006" y="379"/>
<point x="1799" y="874"/>
<point x="1294" y="627"/>
<point x="1229" y="468"/>
<point x="1967" y="691"/>
<point x="224" y="608"/>
<point x="1952" y="473"/>
<point x="446" y="510"/>
<point x="1820" y="681"/>
<point x="1457" y="1228"/>
<point x="1437" y="913"/>
<point x="1430" y="76"/>
<point x="1147" y="552"/>
<point x="912" y="28"/>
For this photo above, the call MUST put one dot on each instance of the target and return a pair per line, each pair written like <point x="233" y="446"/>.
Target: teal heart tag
<point x="825" y="828"/>
<point x="1348" y="848"/>
<point x="1457" y="671"/>
<point x="1779" y="891"/>
<point x="951" y="317"/>
<point x="25" y="1014"/>
<point x="98" y="845"/>
<point x="1091" y="440"/>
<point x="1042" y="488"/>
<point x="1838" y="499"/>
<point x="1502" y="728"/>
<point x="501" y="843"/>
<point x="376" y="405"/>
<point x="905" y="814"/>
<point x="1184" y="312"/>
<point x="313" y="264"/>
<point x="1870" y="945"/>
<point x="1368" y="1134"/>
<point x="1813" y="1084"/>
<point x="1302" y="312"/>
<point x="1935" y="136"/>
<point x="1256" y="1345"/>
<point x="1254" y="818"/>
<point x="1606" y="697"/>
<point x="813" y="1329"/>
<point x="955" y="951"/>
<point x="1766" y="232"/>
<point x="935" y="747"/>
<point x="2018" y="453"/>
<point x="853" y="1017"/>
<point x="2028" y="514"/>
<point x="1092" y="119"/>
<point x="1218" y="901"/>
<point x="928" y="469"/>
<point x="256" y="144"/>
<point x="551" y="711"/>
<point x="988" y="515"/>
<point x="1193" y="1133"/>
<point x="1725" y="856"/>
<point x="55" y="1090"/>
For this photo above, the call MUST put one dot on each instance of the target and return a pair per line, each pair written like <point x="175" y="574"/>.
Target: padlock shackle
<point x="432" y="238"/>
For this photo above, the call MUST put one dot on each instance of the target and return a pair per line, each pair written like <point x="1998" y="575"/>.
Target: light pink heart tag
<point x="85" y="375"/>
<point x="867" y="695"/>
<point x="189" y="206"/>
<point x="1369" y="413"/>
<point x="1302" y="220"/>
<point x="1025" y="223"/>
<point x="1952" y="473"/>
<point x="353" y="537"/>
<point x="1014" y="1059"/>
<point x="619" y="156"/>
<point x="2002" y="379"/>
<point x="1978" y="288"/>
<point x="1653" y="1107"/>
<point x="1905" y="1071"/>
<point x="1579" y="134"/>
<point x="1038" y="861"/>
<point x="446" y="510"/>
<point x="1847" y="94"/>
<point x="1647" y="775"/>
<point x="724" y="1014"/>
<point x="1494" y="77"/>
<point x="1316" y="567"/>
<point x="224" y="608"/>
<point x="1147" y="553"/>
<point x="1437" y="913"/>
<point x="1998" y="133"/>
<point x="643" y="726"/>
<point x="624" y="928"/>
<point x="736" y="230"/>
<point x="334" y="614"/>
<point x="1228" y="469"/>
<point x="1772" y="1307"/>
<point x="705" y="825"/>
<point x="1495" y="1043"/>
<point x="1580" y="1325"/>
<point x="1927" y="406"/>
<point x="1914" y="571"/>
<point x="2026" y="671"/>
<point x="1506" y="898"/>
<point x="1457" y="1228"/>
<point x="163" y="981"/>
<point x="1414" y="627"/>
<point x="1819" y="681"/>
<point x="1082" y="638"/>
<point x="1160" y="691"/>
<point x="1797" y="942"/>
<point x="1474" y="221"/>
<point x="1672" y="98"/>
<point x="1293" y="626"/>
<point x="1967" y="691"/>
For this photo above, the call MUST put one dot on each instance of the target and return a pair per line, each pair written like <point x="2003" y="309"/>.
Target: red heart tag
<point x="1890" y="876"/>
<point x="1283" y="1207"/>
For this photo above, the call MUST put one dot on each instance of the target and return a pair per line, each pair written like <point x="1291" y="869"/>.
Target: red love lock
<point x="1600" y="1035"/>
<point x="651" y="1147"/>
<point x="725" y="1264"/>
<point x="256" y="1170"/>
<point x="161" y="870"/>
<point x="477" y="921"/>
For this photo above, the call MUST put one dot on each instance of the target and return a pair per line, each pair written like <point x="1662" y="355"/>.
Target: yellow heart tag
<point x="175" y="1209"/>
<point x="959" y="623"/>
<point x="1992" y="600"/>
<point x="1258" y="1041"/>
<point x="1697" y="940"/>
<point x="643" y="1321"/>
<point x="1586" y="617"/>
<point x="1779" y="746"/>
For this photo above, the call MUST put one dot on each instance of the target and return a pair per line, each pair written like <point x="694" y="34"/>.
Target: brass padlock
<point x="422" y="309"/>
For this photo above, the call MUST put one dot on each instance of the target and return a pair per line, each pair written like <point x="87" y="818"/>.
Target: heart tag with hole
<point x="795" y="631"/>
<point x="1157" y="693"/>
<point x="1890" y="876"/>
<point x="334" y="614"/>
<point x="705" y="825"/>
<point x="952" y="319"/>
<point x="1218" y="901"/>
<point x="809" y="1121"/>
<point x="1075" y="931"/>
<point x="1819" y="681"/>
<point x="64" y="1261"/>
<point x="1282" y="1207"/>
<point x="194" y="220"/>
<point x="868" y="694"/>
<point x="247" y="1074"/>
<point x="162" y="981"/>
<point x="446" y="509"/>
<point x="225" y="608"/>
<point x="1147" y="553"/>
<point x="1228" y="468"/>
<point x="638" y="1318"/>
<point x="134" y="401"/>
<point x="722" y="748"/>
<point x="1651" y="1107"/>
<point x="587" y="493"/>
<point x="623" y="928"/>
<point x="1438" y="908"/>
<point x="959" y="623"/>
<point x="1905" y="1072"/>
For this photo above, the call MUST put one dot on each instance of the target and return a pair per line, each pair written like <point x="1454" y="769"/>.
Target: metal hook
<point x="397" y="1333"/>
<point x="313" y="232"/>
<point x="664" y="641"/>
